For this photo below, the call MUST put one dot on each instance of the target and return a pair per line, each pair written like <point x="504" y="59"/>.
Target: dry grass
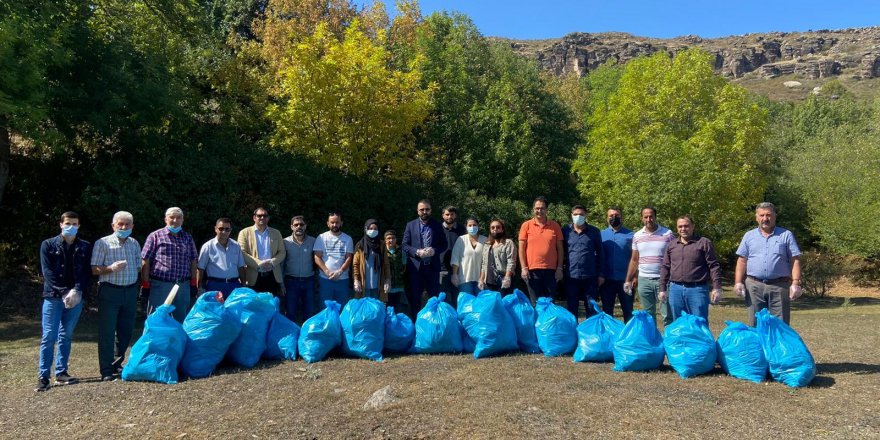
<point x="520" y="396"/>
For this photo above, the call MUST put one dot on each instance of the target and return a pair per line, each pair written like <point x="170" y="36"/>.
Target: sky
<point x="538" y="19"/>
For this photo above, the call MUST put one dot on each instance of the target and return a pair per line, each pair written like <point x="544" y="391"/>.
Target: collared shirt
<point x="583" y="252"/>
<point x="299" y="261"/>
<point x="768" y="257"/>
<point x="264" y="252"/>
<point x="220" y="261"/>
<point x="617" y="247"/>
<point x="170" y="254"/>
<point x="111" y="249"/>
<point x="651" y="246"/>
<point x="540" y="244"/>
<point x="56" y="259"/>
<point x="334" y="250"/>
<point x="691" y="262"/>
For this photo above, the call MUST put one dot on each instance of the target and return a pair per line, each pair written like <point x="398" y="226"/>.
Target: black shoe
<point x="108" y="378"/>
<point x="43" y="385"/>
<point x="65" y="379"/>
<point x="117" y="365"/>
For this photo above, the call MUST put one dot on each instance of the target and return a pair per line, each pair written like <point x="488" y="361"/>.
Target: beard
<point x="334" y="229"/>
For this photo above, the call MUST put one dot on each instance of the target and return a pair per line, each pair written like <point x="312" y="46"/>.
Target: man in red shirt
<point x="540" y="252"/>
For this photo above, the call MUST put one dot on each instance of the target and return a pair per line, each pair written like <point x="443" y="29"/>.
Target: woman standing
<point x="368" y="263"/>
<point x="467" y="258"/>
<point x="499" y="260"/>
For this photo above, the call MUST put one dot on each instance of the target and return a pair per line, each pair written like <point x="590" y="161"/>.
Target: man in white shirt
<point x="648" y="247"/>
<point x="333" y="253"/>
<point x="221" y="262"/>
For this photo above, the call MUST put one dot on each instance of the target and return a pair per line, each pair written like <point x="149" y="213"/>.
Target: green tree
<point x="677" y="136"/>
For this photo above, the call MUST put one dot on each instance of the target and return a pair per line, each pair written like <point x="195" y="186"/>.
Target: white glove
<point x="628" y="288"/>
<point x="420" y="253"/>
<point x="558" y="274"/>
<point x="455" y="279"/>
<point x="662" y="296"/>
<point x="716" y="296"/>
<point x="525" y="274"/>
<point x="357" y="286"/>
<point x="429" y="252"/>
<point x="116" y="266"/>
<point x="740" y="289"/>
<point x="387" y="286"/>
<point x="794" y="292"/>
<point x="505" y="283"/>
<point x="481" y="285"/>
<point x="266" y="265"/>
<point x="72" y="298"/>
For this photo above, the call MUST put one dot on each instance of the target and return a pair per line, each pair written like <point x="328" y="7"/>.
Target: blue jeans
<point x="58" y="325"/>
<point x="159" y="290"/>
<point x="335" y="290"/>
<point x="611" y="291"/>
<point x="221" y="286"/>
<point x="541" y="282"/>
<point x="577" y="290"/>
<point x="300" y="296"/>
<point x="690" y="298"/>
<point x="469" y="287"/>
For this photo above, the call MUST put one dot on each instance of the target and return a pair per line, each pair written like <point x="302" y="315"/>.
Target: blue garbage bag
<point x="596" y="337"/>
<point x="465" y="305"/>
<point x="787" y="355"/>
<point x="156" y="355"/>
<point x="690" y="346"/>
<point x="321" y="333"/>
<point x="740" y="352"/>
<point x="556" y="328"/>
<point x="524" y="316"/>
<point x="363" y="328"/>
<point x="210" y="330"/>
<point x="281" y="339"/>
<point x="437" y="328"/>
<point x="487" y="324"/>
<point x="254" y="311"/>
<point x="399" y="331"/>
<point x="639" y="346"/>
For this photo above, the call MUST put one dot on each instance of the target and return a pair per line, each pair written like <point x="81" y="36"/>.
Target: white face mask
<point x="578" y="219"/>
<point x="372" y="233"/>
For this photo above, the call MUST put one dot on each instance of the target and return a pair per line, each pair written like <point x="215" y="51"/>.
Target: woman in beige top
<point x="499" y="260"/>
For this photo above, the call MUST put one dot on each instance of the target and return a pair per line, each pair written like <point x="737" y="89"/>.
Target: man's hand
<point x="601" y="280"/>
<point x="662" y="296"/>
<point x="266" y="265"/>
<point x="357" y="286"/>
<point x="628" y="288"/>
<point x="116" y="266"/>
<point x="558" y="274"/>
<point x="72" y="298"/>
<point x="525" y="273"/>
<point x="505" y="283"/>
<point x="429" y="252"/>
<point x="387" y="286"/>
<point x="740" y="290"/>
<point x="334" y="275"/>
<point x="145" y="289"/>
<point x="794" y="292"/>
<point x="716" y="296"/>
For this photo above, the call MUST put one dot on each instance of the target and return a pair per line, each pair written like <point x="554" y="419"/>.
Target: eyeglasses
<point x="425" y="210"/>
<point x="224" y="229"/>
<point x="298" y="225"/>
<point x="261" y="215"/>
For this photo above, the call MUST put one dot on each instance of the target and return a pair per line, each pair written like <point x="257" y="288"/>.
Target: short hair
<point x="614" y="208"/>
<point x="173" y="210"/>
<point x="685" y="217"/>
<point x="540" y="199"/>
<point x="334" y="214"/>
<point x="69" y="214"/>
<point x="450" y="208"/>
<point x="576" y="207"/>
<point x="653" y="209"/>
<point x="391" y="233"/>
<point x="766" y="205"/>
<point x="123" y="215"/>
<point x="223" y="220"/>
<point x="298" y="217"/>
<point x="424" y="201"/>
<point x="260" y="208"/>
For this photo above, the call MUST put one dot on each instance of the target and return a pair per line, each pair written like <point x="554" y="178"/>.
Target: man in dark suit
<point x="424" y="241"/>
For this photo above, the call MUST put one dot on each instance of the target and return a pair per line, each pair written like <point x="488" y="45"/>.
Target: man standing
<point x="540" y="252"/>
<point x="170" y="257"/>
<point x="453" y="230"/>
<point x="221" y="263"/>
<point x="116" y="260"/>
<point x="424" y="241"/>
<point x="617" y="248"/>
<point x="263" y="251"/>
<point x="299" y="270"/>
<point x="648" y="247"/>
<point x="333" y="253"/>
<point x="64" y="261"/>
<point x="584" y="260"/>
<point x="689" y="263"/>
<point x="769" y="263"/>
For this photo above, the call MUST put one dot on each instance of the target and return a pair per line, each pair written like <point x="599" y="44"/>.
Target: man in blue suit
<point x="424" y="241"/>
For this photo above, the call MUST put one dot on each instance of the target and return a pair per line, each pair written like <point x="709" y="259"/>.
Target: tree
<point x="681" y="138"/>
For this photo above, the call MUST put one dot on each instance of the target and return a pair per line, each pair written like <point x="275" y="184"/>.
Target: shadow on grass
<point x="811" y="303"/>
<point x="822" y="382"/>
<point x="848" y="367"/>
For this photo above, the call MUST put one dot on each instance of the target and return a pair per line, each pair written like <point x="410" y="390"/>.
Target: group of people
<point x="676" y="273"/>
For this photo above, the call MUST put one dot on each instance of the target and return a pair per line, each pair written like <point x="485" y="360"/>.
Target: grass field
<point x="518" y="396"/>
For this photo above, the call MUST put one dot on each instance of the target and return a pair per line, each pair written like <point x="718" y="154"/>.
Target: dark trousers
<point x="299" y="296"/>
<point x="425" y="278"/>
<point x="221" y="286"/>
<point x="541" y="282"/>
<point x="497" y="288"/>
<point x="117" y="306"/>
<point x="266" y="283"/>
<point x="581" y="290"/>
<point x="611" y="291"/>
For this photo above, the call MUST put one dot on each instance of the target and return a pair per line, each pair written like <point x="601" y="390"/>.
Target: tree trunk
<point x="4" y="156"/>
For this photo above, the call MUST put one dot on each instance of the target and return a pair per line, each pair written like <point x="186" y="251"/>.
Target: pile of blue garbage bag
<point x="248" y="327"/>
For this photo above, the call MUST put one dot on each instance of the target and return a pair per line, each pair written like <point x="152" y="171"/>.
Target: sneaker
<point x="108" y="378"/>
<point x="65" y="379"/>
<point x="43" y="385"/>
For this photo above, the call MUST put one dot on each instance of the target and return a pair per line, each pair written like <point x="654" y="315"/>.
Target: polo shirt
<point x="333" y="251"/>
<point x="651" y="246"/>
<point x="768" y="257"/>
<point x="299" y="261"/>
<point x="111" y="249"/>
<point x="540" y="244"/>
<point x="221" y="262"/>
<point x="617" y="248"/>
<point x="583" y="252"/>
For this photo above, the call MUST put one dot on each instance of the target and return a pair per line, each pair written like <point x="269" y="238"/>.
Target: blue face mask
<point x="69" y="230"/>
<point x="372" y="233"/>
<point x="123" y="233"/>
<point x="174" y="229"/>
<point x="578" y="219"/>
<point x="473" y="230"/>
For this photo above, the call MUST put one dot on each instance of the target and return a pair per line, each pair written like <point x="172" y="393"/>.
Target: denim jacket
<point x="52" y="264"/>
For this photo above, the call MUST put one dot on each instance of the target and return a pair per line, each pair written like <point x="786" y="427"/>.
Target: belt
<point x="117" y="286"/>
<point x="291" y="277"/>
<point x="265" y="274"/>
<point x="769" y="280"/>
<point x="697" y="284"/>
<point x="223" y="280"/>
<point x="182" y="280"/>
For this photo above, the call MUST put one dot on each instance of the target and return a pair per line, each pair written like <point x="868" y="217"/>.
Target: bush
<point x="819" y="272"/>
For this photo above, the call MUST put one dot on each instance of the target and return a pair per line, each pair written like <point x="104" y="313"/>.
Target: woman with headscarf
<point x="368" y="267"/>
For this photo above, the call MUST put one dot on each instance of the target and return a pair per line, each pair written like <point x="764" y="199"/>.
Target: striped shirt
<point x="170" y="254"/>
<point x="334" y="249"/>
<point x="651" y="247"/>
<point x="109" y="250"/>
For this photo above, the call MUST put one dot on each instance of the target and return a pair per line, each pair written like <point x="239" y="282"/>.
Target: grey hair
<point x="123" y="215"/>
<point x="173" y="210"/>
<point x="766" y="205"/>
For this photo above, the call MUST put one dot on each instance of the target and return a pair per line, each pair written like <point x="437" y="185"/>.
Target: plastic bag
<point x="255" y="311"/>
<point x="363" y="328"/>
<point x="524" y="316"/>
<point x="465" y="303"/>
<point x="487" y="324"/>
<point x="787" y="355"/>
<point x="321" y="333"/>
<point x="740" y="352"/>
<point x="437" y="328"/>
<point x="399" y="331"/>
<point x="210" y="329"/>
<point x="156" y="355"/>
<point x="556" y="328"/>
<point x="690" y="346"/>
<point x="596" y="337"/>
<point x="281" y="339"/>
<point x="639" y="346"/>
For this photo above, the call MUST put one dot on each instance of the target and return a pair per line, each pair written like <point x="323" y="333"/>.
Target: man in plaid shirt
<point x="170" y="258"/>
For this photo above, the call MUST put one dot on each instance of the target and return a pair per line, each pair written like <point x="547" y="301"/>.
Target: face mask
<point x="392" y="251"/>
<point x="473" y="230"/>
<point x="614" y="222"/>
<point x="69" y="230"/>
<point x="578" y="219"/>
<point x="372" y="233"/>
<point x="123" y="233"/>
<point x="174" y="229"/>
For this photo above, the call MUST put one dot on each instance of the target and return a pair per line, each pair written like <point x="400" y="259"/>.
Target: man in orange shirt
<point x="540" y="252"/>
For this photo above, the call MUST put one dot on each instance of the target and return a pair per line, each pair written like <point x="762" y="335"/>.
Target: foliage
<point x="819" y="273"/>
